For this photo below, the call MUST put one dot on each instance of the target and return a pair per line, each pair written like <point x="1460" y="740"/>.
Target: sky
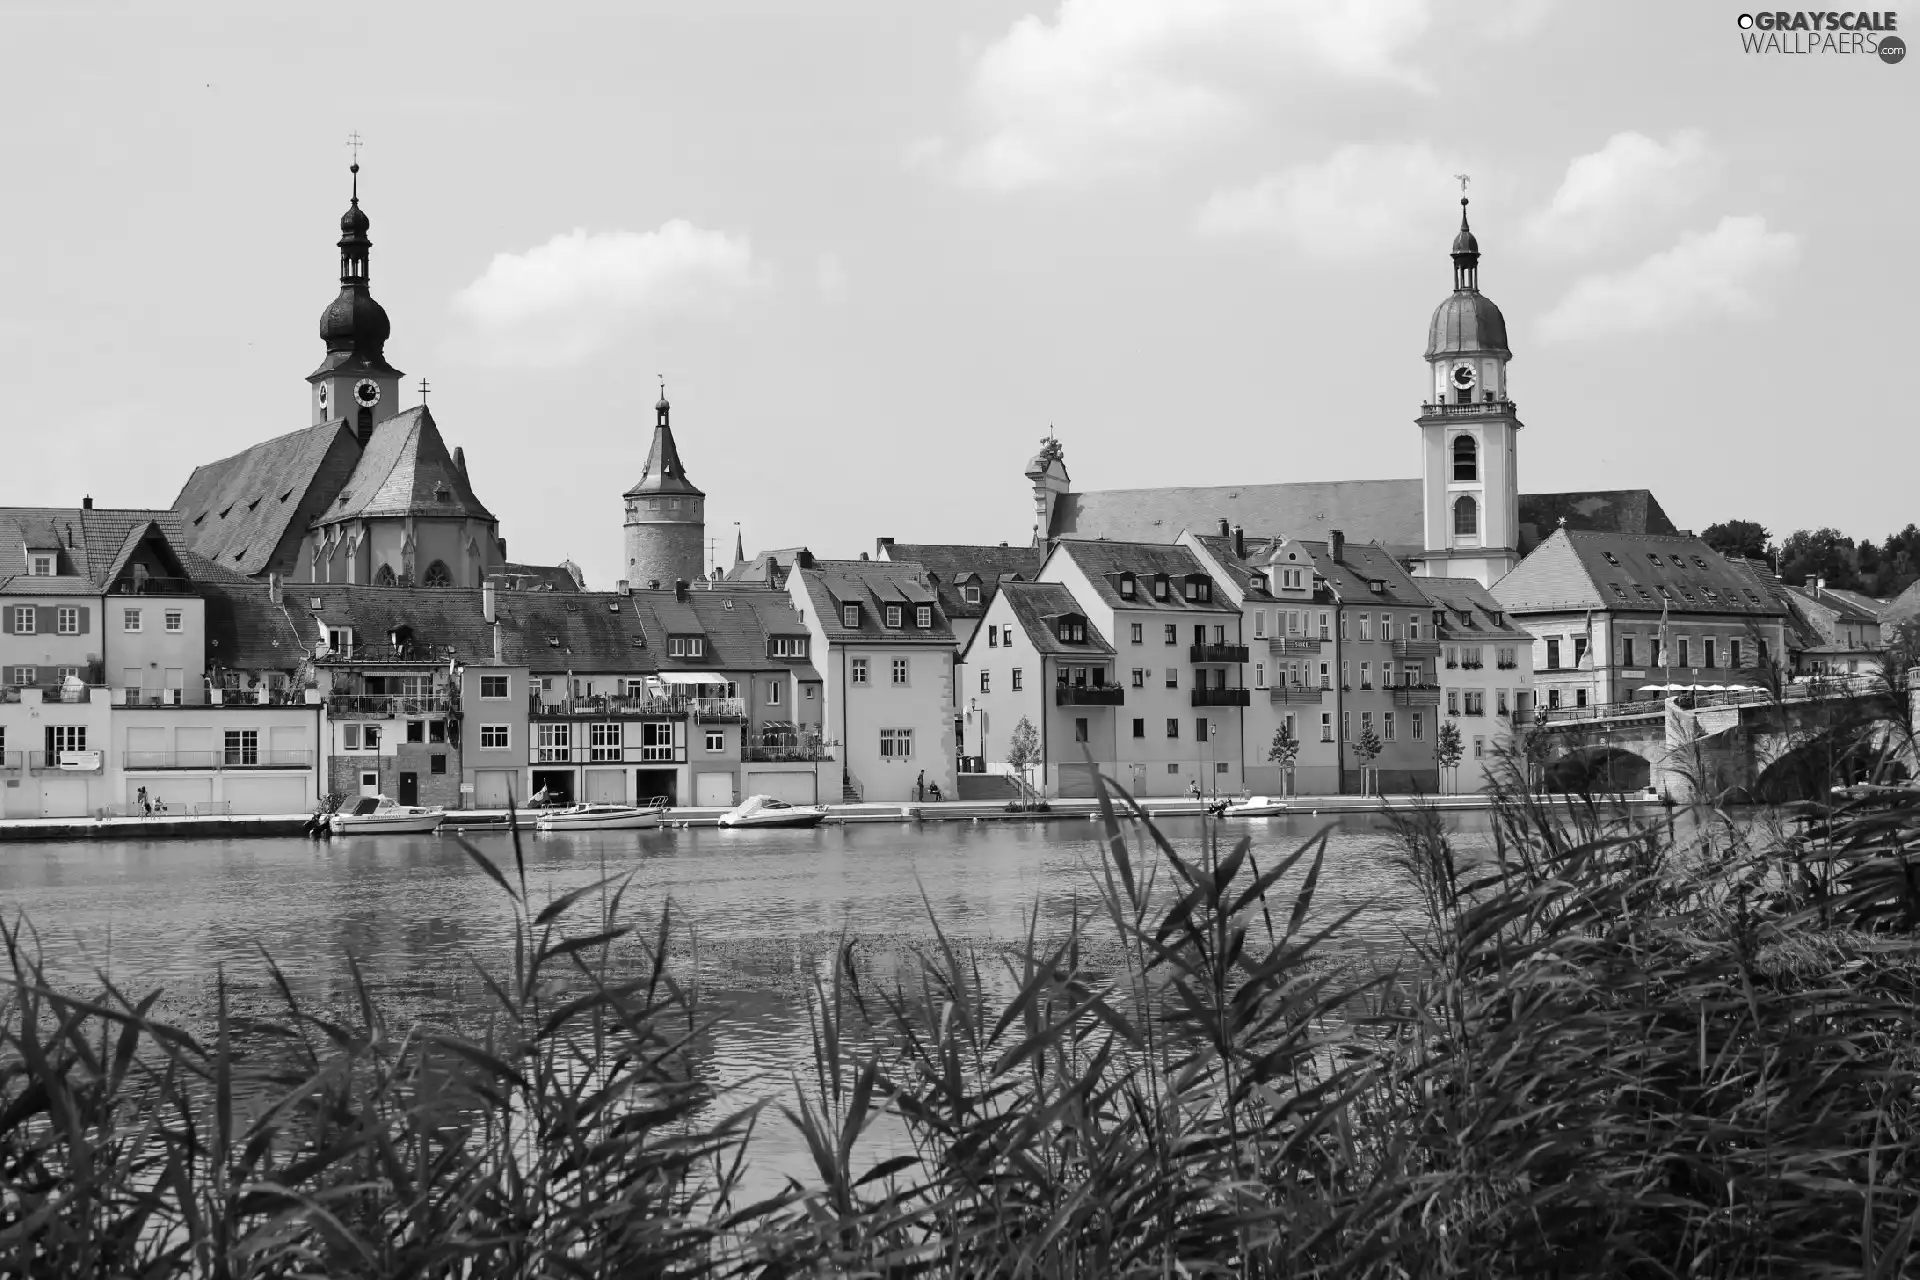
<point x="878" y="250"/>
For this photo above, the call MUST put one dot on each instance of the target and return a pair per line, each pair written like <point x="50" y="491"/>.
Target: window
<point x="493" y="737"/>
<point x="130" y="619"/>
<point x="859" y="675"/>
<point x="896" y="744"/>
<point x="242" y="746"/>
<point x="1553" y="698"/>
<point x="339" y="640"/>
<point x="686" y="646"/>
<point x="1200" y="729"/>
<point x="1466" y="517"/>
<point x="1618" y="590"/>
<point x="1500" y="701"/>
<point x="993" y="637"/>
<point x="1419" y="725"/>
<point x="1006" y="636"/>
<point x="1476" y="702"/>
<point x="899" y="670"/>
<point x="1126" y="586"/>
<point x="1466" y="458"/>
<point x="849" y="615"/>
<point x="1579" y="649"/>
<point x="1479" y="748"/>
<point x="24" y="620"/>
<point x="773" y="693"/>
<point x="1139" y="677"/>
<point x="1160" y="586"/>
<point x="1453" y="702"/>
<point x="370" y="737"/>
<point x="1706" y="653"/>
<point x="1346" y="674"/>
<point x="1326" y="677"/>
<point x="1134" y="633"/>
<point x="1579" y="697"/>
<point x="350" y="737"/>
<point x="1553" y="653"/>
<point x="1386" y="727"/>
<point x="1259" y="624"/>
<point x="416" y="731"/>
<point x="493" y="686"/>
<point x="970" y="593"/>
<point x="1173" y="677"/>
<point x="42" y="567"/>
<point x="893" y="615"/>
<point x="1259" y="675"/>
<point x="1072" y="632"/>
<point x="174" y="621"/>
<point x="923" y="616"/>
<point x="1326" y="726"/>
<point x="1386" y="626"/>
<point x="1366" y="675"/>
<point x="1080" y="729"/>
<point x="1323" y="626"/>
<point x="986" y="682"/>
<point x="716" y="740"/>
<point x="1626" y="651"/>
<point x="656" y="740"/>
<point x="1173" y="727"/>
<point x="436" y="731"/>
<point x="603" y="742"/>
<point x="1686" y="651"/>
<point x="1366" y="626"/>
<point x="1173" y="634"/>
<point x="1343" y="625"/>
<point x="788" y="647"/>
<point x="1018" y="680"/>
<point x="1346" y="724"/>
<point x="65" y="737"/>
<point x="1139" y="728"/>
<point x="1733" y="653"/>
<point x="67" y="622"/>
<point x="553" y="742"/>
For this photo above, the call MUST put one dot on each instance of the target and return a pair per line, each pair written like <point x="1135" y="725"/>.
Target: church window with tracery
<point x="1466" y="517"/>
<point x="384" y="578"/>
<point x="1466" y="458"/>
<point x="438" y="575"/>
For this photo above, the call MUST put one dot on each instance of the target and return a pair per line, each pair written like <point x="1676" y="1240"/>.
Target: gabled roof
<point x="1577" y="569"/>
<point x="1596" y="510"/>
<point x="1859" y="599"/>
<point x="96" y="547"/>
<point x="1037" y="606"/>
<point x="249" y="511"/>
<point x="1351" y="578"/>
<point x="873" y="584"/>
<point x="778" y="561"/>
<point x="1835" y="603"/>
<point x="735" y="625"/>
<point x="949" y="565"/>
<point x="544" y="577"/>
<point x="1487" y="619"/>
<point x="406" y="470"/>
<point x="1101" y="562"/>
<point x="1389" y="510"/>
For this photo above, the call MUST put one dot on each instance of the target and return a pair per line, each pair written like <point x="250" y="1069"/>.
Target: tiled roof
<point x="1361" y="565"/>
<point x="1576" y="569"/>
<point x="406" y="471"/>
<point x="663" y="473"/>
<point x="1598" y="510"/>
<point x="1486" y="617"/>
<point x="1843" y="609"/>
<point x="1035" y="605"/>
<point x="1859" y="600"/>
<point x="873" y="584"/>
<point x="1389" y="510"/>
<point x="735" y="624"/>
<point x="544" y="577"/>
<point x="1247" y="568"/>
<point x="95" y="547"/>
<point x="249" y="512"/>
<point x="781" y="559"/>
<point x="1145" y="560"/>
<point x="948" y="565"/>
<point x="1903" y="609"/>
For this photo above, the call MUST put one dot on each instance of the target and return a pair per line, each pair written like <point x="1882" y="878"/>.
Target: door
<point x="492" y="788"/>
<point x="409" y="789"/>
<point x="606" y="786"/>
<point x="715" y="790"/>
<point x="369" y="782"/>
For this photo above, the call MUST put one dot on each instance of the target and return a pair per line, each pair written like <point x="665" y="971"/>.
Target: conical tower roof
<point x="663" y="474"/>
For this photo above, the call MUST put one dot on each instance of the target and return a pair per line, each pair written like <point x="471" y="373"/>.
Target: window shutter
<point x="84" y="612"/>
<point x="680" y="741"/>
<point x="47" y="618"/>
<point x="6" y="619"/>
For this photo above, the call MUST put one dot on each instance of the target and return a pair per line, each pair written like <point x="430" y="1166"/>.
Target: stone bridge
<point x="1768" y="747"/>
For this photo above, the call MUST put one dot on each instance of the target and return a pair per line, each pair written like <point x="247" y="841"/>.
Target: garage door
<point x="268" y="795"/>
<point x="63" y="797"/>
<point x="606" y="786"/>
<point x="181" y="795"/>
<point x="1076" y="782"/>
<point x="794" y="788"/>
<point x="491" y="787"/>
<point x="715" y="790"/>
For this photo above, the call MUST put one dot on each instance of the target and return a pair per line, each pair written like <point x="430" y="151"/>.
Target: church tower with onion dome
<point x="666" y="523"/>
<point x="355" y="382"/>
<point x="1469" y="432"/>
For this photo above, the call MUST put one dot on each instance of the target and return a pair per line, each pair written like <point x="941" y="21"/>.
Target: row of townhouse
<point x="1176" y="667"/>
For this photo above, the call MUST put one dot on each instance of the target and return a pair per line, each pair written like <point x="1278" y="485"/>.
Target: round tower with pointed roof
<point x="666" y="516"/>
<point x="1469" y="431"/>
<point x="354" y="382"/>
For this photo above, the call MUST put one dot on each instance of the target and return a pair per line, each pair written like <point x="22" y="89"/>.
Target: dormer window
<point x="1678" y="563"/>
<point x="786" y="646"/>
<point x="1073" y="631"/>
<point x="686" y="646"/>
<point x="1611" y="558"/>
<point x="1698" y="561"/>
<point x="1378" y="586"/>
<point x="1618" y="590"/>
<point x="1159" y="586"/>
<point x="1127" y="586"/>
<point x="42" y="566"/>
<point x="1258" y="583"/>
<point x="970" y="593"/>
<point x="1654" y="558"/>
<point x="923" y="616"/>
<point x="849" y="615"/>
<point x="893" y="615"/>
<point x="1199" y="590"/>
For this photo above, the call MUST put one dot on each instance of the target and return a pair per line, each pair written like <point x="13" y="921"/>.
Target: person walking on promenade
<point x="920" y="786"/>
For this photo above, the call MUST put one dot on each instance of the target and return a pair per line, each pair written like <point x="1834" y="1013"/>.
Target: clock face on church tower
<point x="1463" y="377"/>
<point x="367" y="392"/>
<point x="323" y="395"/>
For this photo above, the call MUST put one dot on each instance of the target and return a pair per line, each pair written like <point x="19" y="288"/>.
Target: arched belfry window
<point x="1466" y="517"/>
<point x="438" y="575"/>
<point x="1466" y="458"/>
<point x="384" y="578"/>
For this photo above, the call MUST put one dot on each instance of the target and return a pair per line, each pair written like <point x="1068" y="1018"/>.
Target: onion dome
<point x="354" y="326"/>
<point x="1467" y="322"/>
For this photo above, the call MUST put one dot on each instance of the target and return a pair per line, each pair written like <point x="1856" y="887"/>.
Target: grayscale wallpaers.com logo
<point x="1796" y="33"/>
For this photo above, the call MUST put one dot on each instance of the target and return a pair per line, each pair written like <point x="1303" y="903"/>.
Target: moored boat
<point x="1255" y="807"/>
<point x="371" y="815"/>
<point x="765" y="811"/>
<point x="603" y="817"/>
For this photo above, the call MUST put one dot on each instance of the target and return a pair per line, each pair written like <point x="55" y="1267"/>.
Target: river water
<point x="756" y="910"/>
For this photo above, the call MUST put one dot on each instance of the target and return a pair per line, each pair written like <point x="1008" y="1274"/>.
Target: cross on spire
<point x="354" y="144"/>
<point x="1463" y="179"/>
<point x="423" y="391"/>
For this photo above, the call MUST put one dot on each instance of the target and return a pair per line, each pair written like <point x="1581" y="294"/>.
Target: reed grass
<point x="1616" y="1047"/>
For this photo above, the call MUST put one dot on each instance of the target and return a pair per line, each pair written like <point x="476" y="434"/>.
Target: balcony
<point x="608" y="706"/>
<point x="1222" y="698"/>
<point x="49" y="762"/>
<point x="1296" y="693"/>
<point x="1089" y="695"/>
<point x="373" y="706"/>
<point x="719" y="710"/>
<point x="1217" y="653"/>
<point x="1415" y="695"/>
<point x="388" y="655"/>
<point x="1295" y="644"/>
<point x="1481" y="409"/>
<point x="216" y="759"/>
<point x="152" y="587"/>
<point x="11" y="761"/>
<point x="798" y="753"/>
<point x="1416" y="648"/>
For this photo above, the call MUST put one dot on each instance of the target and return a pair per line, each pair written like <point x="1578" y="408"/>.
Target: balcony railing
<point x="152" y="587"/>
<point x="1416" y="648"/>
<point x="1480" y="409"/>
<point x="1293" y="693"/>
<point x="217" y="759"/>
<point x="1222" y="698"/>
<point x="719" y="709"/>
<point x="1217" y="653"/>
<point x="608" y="705"/>
<point x="801" y="753"/>
<point x="1089" y="695"/>
<point x="373" y="706"/>
<point x="1413" y="695"/>
<point x="11" y="761"/>
<point x="49" y="762"/>
<point x="1295" y="644"/>
<point x="390" y="655"/>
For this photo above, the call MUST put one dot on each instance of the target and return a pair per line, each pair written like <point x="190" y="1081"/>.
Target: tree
<point x="1023" y="751"/>
<point x="1447" y="748"/>
<point x="1365" y="748"/>
<point x="1285" y="750"/>
<point x="1819" y="553"/>
<point x="1739" y="538"/>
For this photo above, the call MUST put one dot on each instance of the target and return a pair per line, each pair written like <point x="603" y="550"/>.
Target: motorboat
<point x="603" y="817"/>
<point x="1255" y="807"/>
<point x="765" y="811"/>
<point x="370" y="815"/>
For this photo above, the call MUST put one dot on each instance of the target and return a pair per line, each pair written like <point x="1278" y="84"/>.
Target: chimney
<point x="487" y="602"/>
<point x="1819" y="585"/>
<point x="499" y="644"/>
<point x="863" y="555"/>
<point x="273" y="588"/>
<point x="1224" y="528"/>
<point x="679" y="588"/>
<point x="1240" y="542"/>
<point x="804" y="559"/>
<point x="86" y="503"/>
<point x="620" y="587"/>
<point x="1337" y="546"/>
<point x="880" y="546"/>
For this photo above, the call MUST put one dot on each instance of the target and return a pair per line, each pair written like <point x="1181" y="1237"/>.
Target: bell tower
<point x="354" y="381"/>
<point x="1469" y="431"/>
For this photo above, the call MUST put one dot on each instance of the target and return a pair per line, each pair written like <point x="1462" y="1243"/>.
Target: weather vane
<point x="1462" y="179"/>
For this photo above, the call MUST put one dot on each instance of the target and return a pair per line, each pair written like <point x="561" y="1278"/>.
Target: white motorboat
<point x="1255" y="807"/>
<point x="765" y="811"/>
<point x="371" y="815"/>
<point x="603" y="817"/>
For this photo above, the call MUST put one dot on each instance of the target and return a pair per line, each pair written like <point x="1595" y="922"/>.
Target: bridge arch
<point x="1596" y="770"/>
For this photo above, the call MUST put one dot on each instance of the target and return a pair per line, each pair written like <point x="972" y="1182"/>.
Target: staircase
<point x="849" y="789"/>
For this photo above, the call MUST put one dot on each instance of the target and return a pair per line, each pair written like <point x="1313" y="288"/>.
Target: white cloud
<point x="1108" y="86"/>
<point x="830" y="277"/>
<point x="1631" y="181"/>
<point x="1710" y="274"/>
<point x="1361" y="200"/>
<point x="566" y="300"/>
